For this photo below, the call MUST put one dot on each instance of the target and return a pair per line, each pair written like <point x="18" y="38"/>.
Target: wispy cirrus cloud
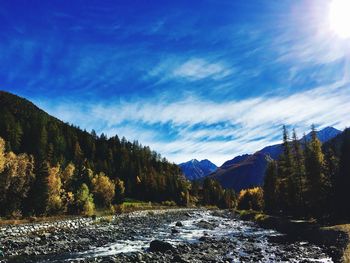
<point x="192" y="80"/>
<point x="195" y="69"/>
<point x="195" y="127"/>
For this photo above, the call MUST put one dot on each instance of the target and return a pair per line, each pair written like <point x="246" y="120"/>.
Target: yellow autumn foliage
<point x="54" y="204"/>
<point x="103" y="189"/>
<point x="251" y="199"/>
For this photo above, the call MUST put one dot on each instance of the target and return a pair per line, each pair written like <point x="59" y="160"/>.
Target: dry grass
<point x="344" y="228"/>
<point x="4" y="221"/>
<point x="126" y="207"/>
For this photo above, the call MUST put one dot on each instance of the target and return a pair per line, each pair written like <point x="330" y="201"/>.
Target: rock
<point x="139" y="257"/>
<point x="160" y="246"/>
<point x="179" y="224"/>
<point x="174" y="231"/>
<point x="177" y="258"/>
<point x="203" y="238"/>
<point x="45" y="235"/>
<point x="206" y="225"/>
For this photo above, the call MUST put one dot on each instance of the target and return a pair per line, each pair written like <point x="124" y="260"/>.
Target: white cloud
<point x="248" y="124"/>
<point x="195" y="69"/>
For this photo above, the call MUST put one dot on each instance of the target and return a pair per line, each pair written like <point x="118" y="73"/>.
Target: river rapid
<point x="191" y="236"/>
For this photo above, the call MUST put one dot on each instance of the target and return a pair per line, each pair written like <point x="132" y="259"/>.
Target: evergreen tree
<point x="331" y="164"/>
<point x="40" y="189"/>
<point x="42" y="143"/>
<point x="287" y="186"/>
<point x="314" y="165"/>
<point x="212" y="192"/>
<point x="298" y="173"/>
<point x="270" y="187"/>
<point x="229" y="199"/>
<point x="119" y="191"/>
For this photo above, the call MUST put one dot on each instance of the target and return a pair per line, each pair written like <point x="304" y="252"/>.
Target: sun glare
<point x="340" y="17"/>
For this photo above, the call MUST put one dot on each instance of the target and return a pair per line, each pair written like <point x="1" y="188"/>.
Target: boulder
<point x="174" y="231"/>
<point x="179" y="224"/>
<point x="206" y="225"/>
<point x="177" y="258"/>
<point x="160" y="246"/>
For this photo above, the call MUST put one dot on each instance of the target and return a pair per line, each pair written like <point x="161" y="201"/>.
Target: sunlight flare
<point x="339" y="17"/>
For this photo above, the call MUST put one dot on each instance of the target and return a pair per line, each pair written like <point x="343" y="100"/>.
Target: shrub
<point x="103" y="189"/>
<point x="84" y="201"/>
<point x="119" y="209"/>
<point x="119" y="191"/>
<point x="251" y="199"/>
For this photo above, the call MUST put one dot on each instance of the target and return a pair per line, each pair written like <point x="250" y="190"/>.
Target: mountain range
<point x="195" y="170"/>
<point x="248" y="170"/>
<point x="245" y="170"/>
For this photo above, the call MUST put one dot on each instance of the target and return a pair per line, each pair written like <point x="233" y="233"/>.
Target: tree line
<point x="42" y="145"/>
<point x="50" y="167"/>
<point x="48" y="190"/>
<point x="29" y="188"/>
<point x="209" y="192"/>
<point x="309" y="180"/>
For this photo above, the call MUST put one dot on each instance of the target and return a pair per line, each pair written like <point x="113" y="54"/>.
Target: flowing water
<point x="247" y="236"/>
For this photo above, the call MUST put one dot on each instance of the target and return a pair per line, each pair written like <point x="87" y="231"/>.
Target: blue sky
<point x="192" y="79"/>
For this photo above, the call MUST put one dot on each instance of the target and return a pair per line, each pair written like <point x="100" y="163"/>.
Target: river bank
<point x="178" y="235"/>
<point x="335" y="239"/>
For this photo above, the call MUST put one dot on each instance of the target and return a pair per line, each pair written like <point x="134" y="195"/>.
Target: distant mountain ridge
<point x="194" y="169"/>
<point x="248" y="170"/>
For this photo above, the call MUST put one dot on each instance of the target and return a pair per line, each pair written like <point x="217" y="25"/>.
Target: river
<point x="196" y="235"/>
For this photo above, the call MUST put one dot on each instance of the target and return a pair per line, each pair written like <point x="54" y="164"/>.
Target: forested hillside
<point x="247" y="171"/>
<point x="310" y="179"/>
<point x="80" y="161"/>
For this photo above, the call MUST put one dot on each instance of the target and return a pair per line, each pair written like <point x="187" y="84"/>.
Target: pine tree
<point x="229" y="199"/>
<point x="42" y="143"/>
<point x="270" y="187"/>
<point x="331" y="172"/>
<point x="40" y="189"/>
<point x="78" y="153"/>
<point x="119" y="191"/>
<point x="314" y="165"/>
<point x="298" y="173"/>
<point x="287" y="184"/>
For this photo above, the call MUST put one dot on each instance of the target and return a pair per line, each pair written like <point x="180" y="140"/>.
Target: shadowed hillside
<point x="248" y="170"/>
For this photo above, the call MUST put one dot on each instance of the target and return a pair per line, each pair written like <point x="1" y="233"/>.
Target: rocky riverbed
<point x="157" y="236"/>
